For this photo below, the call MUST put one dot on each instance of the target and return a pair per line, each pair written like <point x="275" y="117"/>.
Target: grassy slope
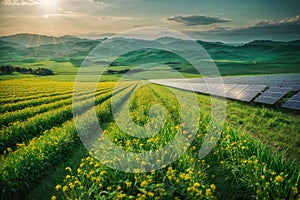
<point x="64" y="59"/>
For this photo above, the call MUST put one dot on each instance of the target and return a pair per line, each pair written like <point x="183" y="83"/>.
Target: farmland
<point x="43" y="157"/>
<point x="149" y="100"/>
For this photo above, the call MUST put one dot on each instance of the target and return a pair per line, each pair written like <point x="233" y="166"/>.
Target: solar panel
<point x="228" y="87"/>
<point x="247" y="95"/>
<point x="256" y="87"/>
<point x="295" y="87"/>
<point x="296" y="97"/>
<point x="292" y="104"/>
<point x="236" y="91"/>
<point x="250" y="92"/>
<point x="214" y="88"/>
<point x="266" y="99"/>
<point x="199" y="88"/>
<point x="279" y="89"/>
<point x="272" y="95"/>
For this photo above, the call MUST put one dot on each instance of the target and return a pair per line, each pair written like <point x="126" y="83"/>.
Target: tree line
<point x="8" y="69"/>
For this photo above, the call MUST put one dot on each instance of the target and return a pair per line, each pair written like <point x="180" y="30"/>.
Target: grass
<point x="47" y="187"/>
<point x="275" y="127"/>
<point x="15" y="75"/>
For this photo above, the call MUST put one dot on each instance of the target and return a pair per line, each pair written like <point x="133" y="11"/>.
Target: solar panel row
<point x="244" y="88"/>
<point x="234" y="91"/>
<point x="271" y="80"/>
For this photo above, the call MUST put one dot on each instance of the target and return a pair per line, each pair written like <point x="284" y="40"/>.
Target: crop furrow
<point x="24" y="131"/>
<point x="22" y="98"/>
<point x="33" y="102"/>
<point x="21" y="115"/>
<point x="27" y="165"/>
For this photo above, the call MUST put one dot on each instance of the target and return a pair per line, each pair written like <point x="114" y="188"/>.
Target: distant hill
<point x="258" y="55"/>
<point x="271" y="43"/>
<point x="10" y="44"/>
<point x="166" y="40"/>
<point x="32" y="40"/>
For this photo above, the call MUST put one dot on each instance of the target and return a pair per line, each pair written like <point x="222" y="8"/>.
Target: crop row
<point x="238" y="167"/>
<point x="184" y="179"/>
<point x="23" y="98"/>
<point x="28" y="164"/>
<point x="24" y="131"/>
<point x="17" y="88"/>
<point x="21" y="115"/>
<point x="33" y="102"/>
<point x="11" y="92"/>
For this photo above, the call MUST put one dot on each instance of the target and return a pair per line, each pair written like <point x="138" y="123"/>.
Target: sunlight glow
<point x="48" y="4"/>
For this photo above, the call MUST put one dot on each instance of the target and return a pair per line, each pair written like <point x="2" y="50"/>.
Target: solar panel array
<point x="293" y="102"/>
<point x="267" y="89"/>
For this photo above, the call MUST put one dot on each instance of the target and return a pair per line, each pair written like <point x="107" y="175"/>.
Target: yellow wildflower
<point x="65" y="188"/>
<point x="196" y="184"/>
<point x="121" y="195"/>
<point x="213" y="187"/>
<point x="71" y="185"/>
<point x="58" y="187"/>
<point x="208" y="192"/>
<point x="144" y="183"/>
<point x="128" y="184"/>
<point x="295" y="190"/>
<point x="278" y="179"/>
<point x="150" y="194"/>
<point x="102" y="173"/>
<point x="68" y="169"/>
<point x="187" y="177"/>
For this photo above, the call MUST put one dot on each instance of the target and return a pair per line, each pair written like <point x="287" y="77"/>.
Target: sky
<point x="210" y="20"/>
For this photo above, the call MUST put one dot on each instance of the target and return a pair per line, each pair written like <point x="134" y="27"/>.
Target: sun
<point x="48" y="4"/>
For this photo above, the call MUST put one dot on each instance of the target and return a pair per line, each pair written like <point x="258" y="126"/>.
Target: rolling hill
<point x="260" y="56"/>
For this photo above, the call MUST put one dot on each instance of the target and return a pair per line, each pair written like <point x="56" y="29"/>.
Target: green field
<point x="257" y="155"/>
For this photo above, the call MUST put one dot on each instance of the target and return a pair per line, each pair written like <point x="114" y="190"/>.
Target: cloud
<point x="287" y="25"/>
<point x="35" y="2"/>
<point x="19" y="2"/>
<point x="96" y="1"/>
<point x="281" y="29"/>
<point x="195" y="20"/>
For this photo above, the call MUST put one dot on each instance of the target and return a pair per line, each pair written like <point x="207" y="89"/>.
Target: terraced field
<point x="42" y="156"/>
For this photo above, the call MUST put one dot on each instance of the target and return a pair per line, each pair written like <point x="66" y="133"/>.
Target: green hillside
<point x="65" y="54"/>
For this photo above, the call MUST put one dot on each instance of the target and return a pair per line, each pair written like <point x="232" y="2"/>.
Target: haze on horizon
<point x="226" y="20"/>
